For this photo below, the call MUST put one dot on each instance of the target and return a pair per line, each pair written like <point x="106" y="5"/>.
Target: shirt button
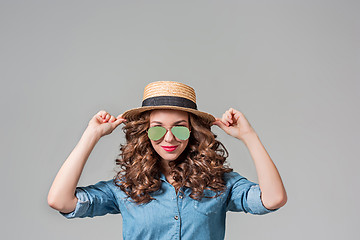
<point x="176" y="217"/>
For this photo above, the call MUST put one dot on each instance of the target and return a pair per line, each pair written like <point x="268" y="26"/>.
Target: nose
<point x="169" y="136"/>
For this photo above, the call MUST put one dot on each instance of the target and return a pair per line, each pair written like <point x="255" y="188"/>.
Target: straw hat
<point x="168" y="95"/>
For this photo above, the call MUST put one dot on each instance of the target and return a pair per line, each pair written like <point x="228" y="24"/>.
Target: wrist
<point x="246" y="137"/>
<point x="92" y="133"/>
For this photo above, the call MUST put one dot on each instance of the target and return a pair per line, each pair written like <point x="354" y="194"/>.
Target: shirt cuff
<point x="255" y="203"/>
<point x="82" y="204"/>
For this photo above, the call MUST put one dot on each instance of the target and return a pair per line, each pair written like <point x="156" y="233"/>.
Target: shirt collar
<point x="162" y="177"/>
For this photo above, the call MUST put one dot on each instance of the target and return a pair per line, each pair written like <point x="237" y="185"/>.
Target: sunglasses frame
<point x="167" y="131"/>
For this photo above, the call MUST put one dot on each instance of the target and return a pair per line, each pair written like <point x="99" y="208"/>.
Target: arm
<point x="62" y="192"/>
<point x="273" y="194"/>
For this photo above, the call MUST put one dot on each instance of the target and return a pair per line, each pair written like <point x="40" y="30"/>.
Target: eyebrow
<point x="174" y="122"/>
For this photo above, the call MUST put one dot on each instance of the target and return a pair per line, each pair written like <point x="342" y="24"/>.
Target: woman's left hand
<point x="234" y="123"/>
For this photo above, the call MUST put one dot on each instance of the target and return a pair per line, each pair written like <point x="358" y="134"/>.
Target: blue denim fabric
<point x="171" y="215"/>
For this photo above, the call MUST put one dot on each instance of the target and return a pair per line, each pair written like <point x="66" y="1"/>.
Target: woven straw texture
<point x="168" y="88"/>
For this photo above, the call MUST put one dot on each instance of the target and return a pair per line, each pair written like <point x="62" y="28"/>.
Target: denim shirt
<point x="172" y="215"/>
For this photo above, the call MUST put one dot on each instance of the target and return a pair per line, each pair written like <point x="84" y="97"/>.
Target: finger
<point x="104" y="118"/>
<point x="120" y="116"/>
<point x="215" y="122"/>
<point x="98" y="117"/>
<point x="101" y="113"/>
<point x="112" y="119"/>
<point x="239" y="115"/>
<point x="119" y="121"/>
<point x="235" y="115"/>
<point x="229" y="115"/>
<point x="232" y="110"/>
<point x="226" y="119"/>
<point x="236" y="112"/>
<point x="220" y="124"/>
<point x="223" y="119"/>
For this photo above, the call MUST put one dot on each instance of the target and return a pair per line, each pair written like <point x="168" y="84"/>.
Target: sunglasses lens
<point x="181" y="132"/>
<point x="157" y="132"/>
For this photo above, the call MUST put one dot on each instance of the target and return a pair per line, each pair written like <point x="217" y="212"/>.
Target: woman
<point x="173" y="182"/>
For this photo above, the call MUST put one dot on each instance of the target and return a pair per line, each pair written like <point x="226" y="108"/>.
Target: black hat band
<point x="169" y="101"/>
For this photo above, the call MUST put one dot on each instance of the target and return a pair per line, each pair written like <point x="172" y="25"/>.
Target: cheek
<point x="184" y="145"/>
<point x="156" y="145"/>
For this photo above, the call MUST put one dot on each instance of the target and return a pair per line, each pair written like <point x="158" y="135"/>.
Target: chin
<point x="169" y="158"/>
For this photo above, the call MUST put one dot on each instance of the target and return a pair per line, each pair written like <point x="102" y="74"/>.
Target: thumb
<point x="220" y="124"/>
<point x="119" y="120"/>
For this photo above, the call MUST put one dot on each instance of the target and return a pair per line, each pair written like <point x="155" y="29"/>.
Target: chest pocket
<point x="209" y="206"/>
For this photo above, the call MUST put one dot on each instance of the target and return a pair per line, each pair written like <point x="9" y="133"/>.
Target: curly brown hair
<point x="200" y="166"/>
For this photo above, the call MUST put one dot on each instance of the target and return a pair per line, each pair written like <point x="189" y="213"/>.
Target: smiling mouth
<point x="169" y="149"/>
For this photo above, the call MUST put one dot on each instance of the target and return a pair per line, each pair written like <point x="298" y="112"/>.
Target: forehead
<point x="168" y="116"/>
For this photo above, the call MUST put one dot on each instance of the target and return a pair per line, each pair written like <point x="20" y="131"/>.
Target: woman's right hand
<point x="103" y="123"/>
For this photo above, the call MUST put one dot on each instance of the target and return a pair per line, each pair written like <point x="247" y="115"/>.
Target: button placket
<point x="179" y="197"/>
<point x="181" y="193"/>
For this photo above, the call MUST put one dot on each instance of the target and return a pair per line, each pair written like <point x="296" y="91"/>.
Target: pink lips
<point x="169" y="149"/>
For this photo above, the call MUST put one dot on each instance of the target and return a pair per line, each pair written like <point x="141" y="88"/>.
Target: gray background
<point x="292" y="67"/>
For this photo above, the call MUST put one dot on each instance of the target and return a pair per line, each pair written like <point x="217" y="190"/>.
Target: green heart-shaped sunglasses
<point x="157" y="132"/>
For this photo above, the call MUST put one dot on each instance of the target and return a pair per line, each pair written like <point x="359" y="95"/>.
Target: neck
<point x="165" y="168"/>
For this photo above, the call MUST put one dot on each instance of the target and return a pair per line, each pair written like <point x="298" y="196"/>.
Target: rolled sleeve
<point x="245" y="196"/>
<point x="82" y="204"/>
<point x="94" y="200"/>
<point x="254" y="203"/>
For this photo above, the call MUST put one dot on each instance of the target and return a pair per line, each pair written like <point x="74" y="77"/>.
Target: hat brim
<point x="133" y="114"/>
